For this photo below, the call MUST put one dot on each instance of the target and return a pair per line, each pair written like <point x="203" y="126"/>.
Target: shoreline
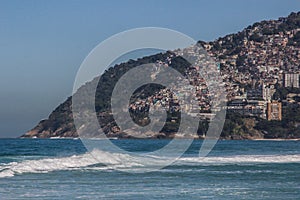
<point x="277" y="139"/>
<point x="115" y="138"/>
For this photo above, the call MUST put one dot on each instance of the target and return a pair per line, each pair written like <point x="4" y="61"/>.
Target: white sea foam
<point x="91" y="161"/>
<point x="242" y="159"/>
<point x="75" y="162"/>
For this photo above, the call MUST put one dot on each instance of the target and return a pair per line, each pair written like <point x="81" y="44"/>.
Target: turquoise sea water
<point x="62" y="169"/>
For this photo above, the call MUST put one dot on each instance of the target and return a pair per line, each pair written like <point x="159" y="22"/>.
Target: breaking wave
<point x="75" y="162"/>
<point x="243" y="159"/>
<point x="107" y="161"/>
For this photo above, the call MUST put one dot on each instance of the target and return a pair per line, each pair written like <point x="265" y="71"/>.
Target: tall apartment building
<point x="274" y="111"/>
<point x="268" y="92"/>
<point x="291" y="80"/>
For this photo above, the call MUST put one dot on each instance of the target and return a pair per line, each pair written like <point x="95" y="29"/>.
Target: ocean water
<point x="63" y="169"/>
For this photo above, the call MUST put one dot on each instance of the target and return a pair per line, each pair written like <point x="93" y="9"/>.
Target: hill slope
<point x="258" y="55"/>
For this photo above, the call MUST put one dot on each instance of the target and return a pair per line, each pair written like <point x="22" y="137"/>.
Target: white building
<point x="291" y="80"/>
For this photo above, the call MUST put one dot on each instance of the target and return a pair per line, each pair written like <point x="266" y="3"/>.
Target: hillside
<point x="250" y="61"/>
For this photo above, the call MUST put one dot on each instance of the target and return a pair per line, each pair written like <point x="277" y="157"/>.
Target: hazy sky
<point x="42" y="43"/>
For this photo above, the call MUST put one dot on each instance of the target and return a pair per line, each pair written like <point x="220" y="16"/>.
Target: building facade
<point x="291" y="80"/>
<point x="274" y="111"/>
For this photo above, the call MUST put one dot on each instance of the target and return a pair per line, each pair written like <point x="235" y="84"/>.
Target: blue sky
<point x="42" y="43"/>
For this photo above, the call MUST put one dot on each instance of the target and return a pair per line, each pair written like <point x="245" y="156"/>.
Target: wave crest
<point x="109" y="161"/>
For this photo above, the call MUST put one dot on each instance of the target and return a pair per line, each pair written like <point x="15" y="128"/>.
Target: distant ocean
<point x="62" y="169"/>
